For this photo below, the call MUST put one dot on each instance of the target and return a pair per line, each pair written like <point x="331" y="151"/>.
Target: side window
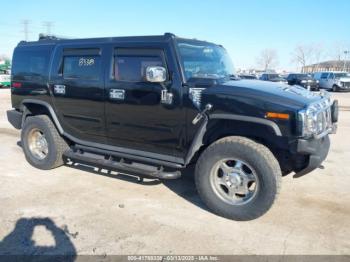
<point x="82" y="67"/>
<point x="31" y="63"/>
<point x="331" y="76"/>
<point x="132" y="67"/>
<point x="324" y="75"/>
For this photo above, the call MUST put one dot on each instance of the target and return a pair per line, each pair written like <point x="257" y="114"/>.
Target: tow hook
<point x="200" y="115"/>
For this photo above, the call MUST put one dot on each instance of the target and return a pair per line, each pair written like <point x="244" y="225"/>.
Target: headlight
<point x="303" y="81"/>
<point x="317" y="81"/>
<point x="316" y="119"/>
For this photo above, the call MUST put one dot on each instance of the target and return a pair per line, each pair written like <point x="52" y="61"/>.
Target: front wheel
<point x="238" y="178"/>
<point x="335" y="88"/>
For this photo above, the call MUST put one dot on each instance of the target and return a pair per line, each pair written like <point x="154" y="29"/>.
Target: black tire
<point x="259" y="157"/>
<point x="55" y="143"/>
<point x="335" y="88"/>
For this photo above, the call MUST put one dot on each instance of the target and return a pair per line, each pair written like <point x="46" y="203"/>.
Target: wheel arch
<point x="31" y="107"/>
<point x="218" y="126"/>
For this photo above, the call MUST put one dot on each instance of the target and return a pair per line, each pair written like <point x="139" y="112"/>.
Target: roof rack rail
<point x="50" y="37"/>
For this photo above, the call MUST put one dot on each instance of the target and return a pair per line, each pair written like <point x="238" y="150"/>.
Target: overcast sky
<point x="243" y="27"/>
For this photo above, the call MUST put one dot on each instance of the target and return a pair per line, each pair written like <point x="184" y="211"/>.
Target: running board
<point x="111" y="162"/>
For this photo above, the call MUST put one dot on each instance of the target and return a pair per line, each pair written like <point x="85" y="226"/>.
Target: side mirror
<point x="155" y="74"/>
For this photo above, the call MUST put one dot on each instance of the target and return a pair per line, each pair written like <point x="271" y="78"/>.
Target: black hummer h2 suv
<point x="156" y="105"/>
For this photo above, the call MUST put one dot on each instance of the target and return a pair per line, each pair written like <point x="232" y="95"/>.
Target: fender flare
<point x="251" y="119"/>
<point x="198" y="139"/>
<point x="48" y="107"/>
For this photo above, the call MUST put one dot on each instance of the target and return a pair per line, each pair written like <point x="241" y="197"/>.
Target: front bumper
<point x="317" y="149"/>
<point x="344" y="87"/>
<point x="311" y="86"/>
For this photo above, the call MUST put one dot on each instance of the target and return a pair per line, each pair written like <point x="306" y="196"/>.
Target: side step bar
<point x="111" y="162"/>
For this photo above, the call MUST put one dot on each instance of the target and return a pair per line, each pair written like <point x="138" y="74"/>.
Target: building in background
<point x="332" y="65"/>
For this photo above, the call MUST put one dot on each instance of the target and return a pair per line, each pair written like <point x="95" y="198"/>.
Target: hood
<point x="265" y="92"/>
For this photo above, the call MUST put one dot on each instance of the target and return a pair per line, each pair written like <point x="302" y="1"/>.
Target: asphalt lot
<point x="81" y="211"/>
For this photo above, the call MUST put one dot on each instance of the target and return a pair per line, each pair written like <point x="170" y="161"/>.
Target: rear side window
<point x="82" y="67"/>
<point x="31" y="63"/>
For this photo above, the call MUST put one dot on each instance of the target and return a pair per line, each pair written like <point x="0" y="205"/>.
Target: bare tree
<point x="317" y="55"/>
<point x="267" y="59"/>
<point x="302" y="55"/>
<point x="337" y="51"/>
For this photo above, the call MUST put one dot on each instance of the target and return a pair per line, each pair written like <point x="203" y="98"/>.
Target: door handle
<point x="117" y="94"/>
<point x="59" y="89"/>
<point x="39" y="92"/>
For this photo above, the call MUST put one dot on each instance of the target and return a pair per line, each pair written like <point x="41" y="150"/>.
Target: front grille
<point x="346" y="84"/>
<point x="324" y="120"/>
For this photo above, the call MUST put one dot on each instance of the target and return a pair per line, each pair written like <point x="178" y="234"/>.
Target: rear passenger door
<point x="77" y="85"/>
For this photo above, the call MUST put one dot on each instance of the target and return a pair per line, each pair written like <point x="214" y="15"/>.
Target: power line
<point x="25" y="24"/>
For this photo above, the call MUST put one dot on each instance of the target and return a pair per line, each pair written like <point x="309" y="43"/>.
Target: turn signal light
<point x="277" y="115"/>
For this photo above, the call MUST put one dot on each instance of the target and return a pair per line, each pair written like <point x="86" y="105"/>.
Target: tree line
<point x="304" y="55"/>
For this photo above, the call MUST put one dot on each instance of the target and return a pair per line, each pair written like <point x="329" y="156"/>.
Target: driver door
<point x="135" y="116"/>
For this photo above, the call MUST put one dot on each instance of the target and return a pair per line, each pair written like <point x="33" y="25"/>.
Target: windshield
<point x="204" y="60"/>
<point x="338" y="75"/>
<point x="303" y="76"/>
<point x="273" y="76"/>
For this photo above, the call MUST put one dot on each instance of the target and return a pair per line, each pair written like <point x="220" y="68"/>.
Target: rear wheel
<point x="238" y="178"/>
<point x="42" y="145"/>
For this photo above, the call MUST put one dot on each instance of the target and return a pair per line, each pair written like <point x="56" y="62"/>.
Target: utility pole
<point x="48" y="25"/>
<point x="25" y="30"/>
<point x="346" y="52"/>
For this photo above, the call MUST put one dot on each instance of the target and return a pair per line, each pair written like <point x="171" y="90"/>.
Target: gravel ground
<point x="79" y="210"/>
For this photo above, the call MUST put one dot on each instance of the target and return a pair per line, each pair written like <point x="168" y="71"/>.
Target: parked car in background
<point x="272" y="77"/>
<point x="303" y="80"/>
<point x="335" y="81"/>
<point x="5" y="79"/>
<point x="251" y="77"/>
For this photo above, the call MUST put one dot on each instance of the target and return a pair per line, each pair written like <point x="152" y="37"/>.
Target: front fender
<point x="199" y="138"/>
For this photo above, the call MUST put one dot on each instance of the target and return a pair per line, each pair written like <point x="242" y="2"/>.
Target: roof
<point x="52" y="40"/>
<point x="330" y="63"/>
